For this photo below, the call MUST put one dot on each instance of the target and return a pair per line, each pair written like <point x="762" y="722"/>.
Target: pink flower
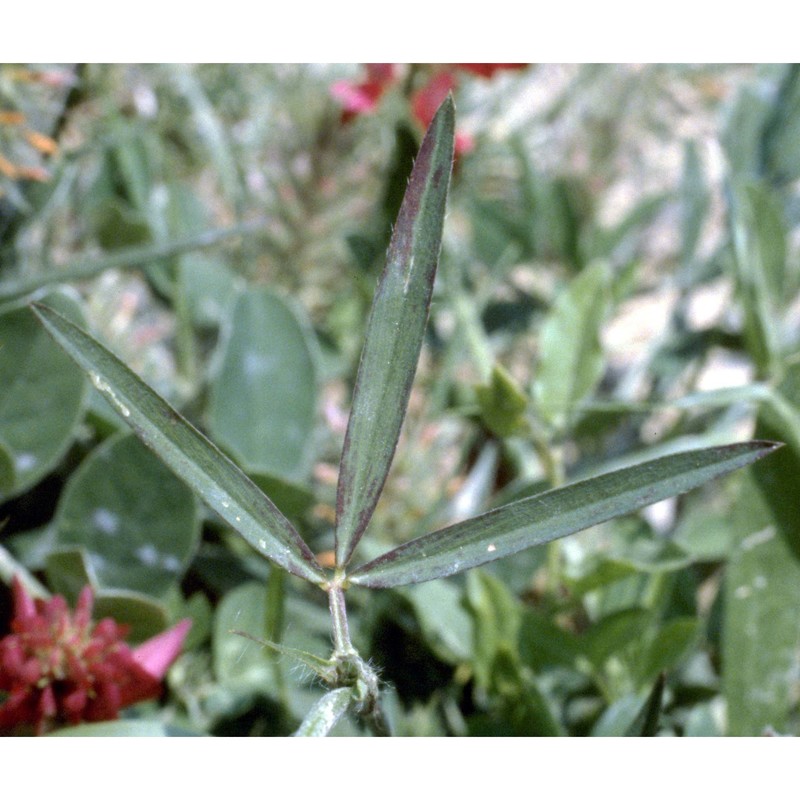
<point x="363" y="97"/>
<point x="426" y="100"/>
<point x="58" y="668"/>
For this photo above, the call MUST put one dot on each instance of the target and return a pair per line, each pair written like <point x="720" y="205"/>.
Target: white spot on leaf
<point x="171" y="564"/>
<point x="106" y="521"/>
<point x="25" y="461"/>
<point x="147" y="554"/>
<point x="757" y="538"/>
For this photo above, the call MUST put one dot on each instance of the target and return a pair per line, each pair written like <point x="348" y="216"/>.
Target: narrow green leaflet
<point x="198" y="462"/>
<point x="551" y="515"/>
<point x="394" y="336"/>
<point x="694" y="199"/>
<point x="754" y="255"/>
<point x="570" y="355"/>
<point x="780" y="151"/>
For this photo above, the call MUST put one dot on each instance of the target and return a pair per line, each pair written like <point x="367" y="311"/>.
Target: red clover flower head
<point x="59" y="668"/>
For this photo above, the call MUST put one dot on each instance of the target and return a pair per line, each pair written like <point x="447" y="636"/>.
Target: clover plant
<point x="388" y="362"/>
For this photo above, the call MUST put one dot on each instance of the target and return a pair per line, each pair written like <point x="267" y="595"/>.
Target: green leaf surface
<point x="570" y="354"/>
<point x="241" y="613"/>
<point x="67" y="571"/>
<point x="7" y="474"/>
<point x="246" y="667"/>
<point x="197" y="607"/>
<point x="669" y="646"/>
<point x="502" y="404"/>
<point x="118" y="225"/>
<point x="524" y="708"/>
<point x="144" y="616"/>
<point x="620" y="717"/>
<point x="238" y="661"/>
<point x="780" y="151"/>
<point x="209" y="288"/>
<point x="542" y="643"/>
<point x="137" y="523"/>
<point x="694" y="200"/>
<point x="632" y="715"/>
<point x="198" y="462"/>
<point x="766" y="220"/>
<point x="754" y="257"/>
<point x="613" y="633"/>
<point x="263" y="400"/>
<point x="324" y="669"/>
<point x="637" y="547"/>
<point x="551" y="515"/>
<point x="41" y="400"/>
<point x="743" y="131"/>
<point x="601" y="573"/>
<point x="646" y="722"/>
<point x="292" y="499"/>
<point x="777" y="478"/>
<point x="445" y="623"/>
<point x="706" y="719"/>
<point x="10" y="567"/>
<point x="761" y="643"/>
<point x="704" y="533"/>
<point x="394" y="336"/>
<point x="327" y="711"/>
<point x="497" y="616"/>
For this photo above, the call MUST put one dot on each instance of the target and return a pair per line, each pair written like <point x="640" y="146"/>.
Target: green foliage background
<point x="619" y="280"/>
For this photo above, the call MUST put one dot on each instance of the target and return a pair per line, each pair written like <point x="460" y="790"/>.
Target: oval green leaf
<point x="136" y="522"/>
<point x="42" y="397"/>
<point x="264" y="397"/>
<point x="198" y="462"/>
<point x="551" y="515"/>
<point x="394" y="336"/>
